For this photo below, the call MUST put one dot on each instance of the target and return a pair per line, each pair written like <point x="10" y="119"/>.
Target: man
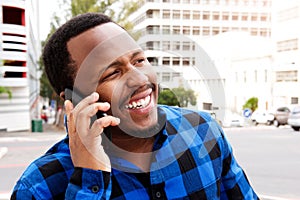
<point x="137" y="149"/>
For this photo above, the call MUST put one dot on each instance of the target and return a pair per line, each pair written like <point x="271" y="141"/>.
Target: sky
<point x="47" y="8"/>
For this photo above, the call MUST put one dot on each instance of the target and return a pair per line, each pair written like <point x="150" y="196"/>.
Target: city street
<point x="271" y="159"/>
<point x="269" y="155"/>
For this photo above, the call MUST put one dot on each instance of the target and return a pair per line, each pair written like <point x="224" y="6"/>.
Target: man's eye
<point x="140" y="61"/>
<point x="112" y="74"/>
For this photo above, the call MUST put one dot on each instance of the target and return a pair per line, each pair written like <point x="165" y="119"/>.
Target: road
<point x="22" y="149"/>
<point x="270" y="157"/>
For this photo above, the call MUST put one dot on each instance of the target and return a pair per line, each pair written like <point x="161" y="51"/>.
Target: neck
<point x="134" y="144"/>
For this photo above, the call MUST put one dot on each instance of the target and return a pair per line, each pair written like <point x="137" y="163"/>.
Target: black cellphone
<point x="75" y="97"/>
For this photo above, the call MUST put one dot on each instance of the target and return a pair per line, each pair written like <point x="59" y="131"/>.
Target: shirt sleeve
<point x="234" y="182"/>
<point x="83" y="184"/>
<point x="21" y="192"/>
<point x="89" y="184"/>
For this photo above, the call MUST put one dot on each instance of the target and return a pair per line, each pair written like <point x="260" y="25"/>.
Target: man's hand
<point x="85" y="140"/>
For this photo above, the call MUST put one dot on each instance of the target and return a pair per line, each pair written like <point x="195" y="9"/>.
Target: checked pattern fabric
<point x="191" y="159"/>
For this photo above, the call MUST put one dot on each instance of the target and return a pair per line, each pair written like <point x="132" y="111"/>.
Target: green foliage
<point x="6" y="90"/>
<point x="251" y="103"/>
<point x="177" y="97"/>
<point x="167" y="97"/>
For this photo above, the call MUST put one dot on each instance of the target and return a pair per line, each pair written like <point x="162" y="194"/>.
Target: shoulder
<point x="194" y="116"/>
<point x="49" y="174"/>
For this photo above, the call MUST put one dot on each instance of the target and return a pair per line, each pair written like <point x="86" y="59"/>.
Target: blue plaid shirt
<point x="192" y="160"/>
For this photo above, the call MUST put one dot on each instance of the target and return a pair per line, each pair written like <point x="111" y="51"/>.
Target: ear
<point x="62" y="95"/>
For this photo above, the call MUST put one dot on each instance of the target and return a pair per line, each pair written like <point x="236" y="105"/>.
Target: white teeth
<point x="141" y="103"/>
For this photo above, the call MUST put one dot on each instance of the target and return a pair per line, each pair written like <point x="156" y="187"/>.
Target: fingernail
<point x="95" y="95"/>
<point x="117" y="120"/>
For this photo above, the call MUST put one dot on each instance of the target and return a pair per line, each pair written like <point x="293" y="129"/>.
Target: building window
<point x="235" y="16"/>
<point x="176" y="30"/>
<point x="205" y="31"/>
<point x="216" y="16"/>
<point x="244" y="17"/>
<point x="287" y="76"/>
<point x="294" y="100"/>
<point x="186" y="30"/>
<point x="287" y="45"/>
<point x="254" y="32"/>
<point x="166" y="45"/>
<point x="196" y="30"/>
<point x="153" y="61"/>
<point x="186" y="46"/>
<point x="166" y="30"/>
<point x="166" y="77"/>
<point x="225" y="16"/>
<point x="205" y="16"/>
<point x="176" y="61"/>
<point x="263" y="18"/>
<point x="12" y="15"/>
<point x="149" y="13"/>
<point x="152" y="29"/>
<point x="166" y="61"/>
<point x="186" y="14"/>
<point x="186" y="1"/>
<point x="254" y="17"/>
<point x="176" y="45"/>
<point x="215" y="30"/>
<point x="186" y="61"/>
<point x="176" y="14"/>
<point x="196" y="15"/>
<point x="166" y="14"/>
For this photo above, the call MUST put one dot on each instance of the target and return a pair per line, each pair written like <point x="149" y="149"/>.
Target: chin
<point x="141" y="131"/>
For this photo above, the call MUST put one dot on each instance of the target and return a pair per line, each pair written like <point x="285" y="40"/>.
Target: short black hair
<point x="59" y="66"/>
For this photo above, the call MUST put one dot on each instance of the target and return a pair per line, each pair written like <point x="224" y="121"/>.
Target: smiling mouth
<point x="141" y="103"/>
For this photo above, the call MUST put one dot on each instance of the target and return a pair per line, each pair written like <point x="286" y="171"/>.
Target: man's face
<point x="110" y="63"/>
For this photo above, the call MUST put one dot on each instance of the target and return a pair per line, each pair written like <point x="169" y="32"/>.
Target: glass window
<point x="176" y="14"/>
<point x="176" y="45"/>
<point x="186" y="14"/>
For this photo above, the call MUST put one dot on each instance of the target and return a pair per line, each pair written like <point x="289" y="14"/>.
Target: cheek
<point x="104" y="93"/>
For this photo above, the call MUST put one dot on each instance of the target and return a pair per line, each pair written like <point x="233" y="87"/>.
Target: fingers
<point x="87" y="101"/>
<point x="79" y="118"/>
<point x="70" y="117"/>
<point x="101" y="123"/>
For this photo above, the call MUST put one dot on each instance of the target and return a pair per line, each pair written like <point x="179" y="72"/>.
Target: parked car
<point x="233" y="120"/>
<point x="262" y="117"/>
<point x="281" y="116"/>
<point x="294" y="118"/>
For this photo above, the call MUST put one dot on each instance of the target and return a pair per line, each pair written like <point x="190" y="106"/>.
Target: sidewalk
<point x="50" y="132"/>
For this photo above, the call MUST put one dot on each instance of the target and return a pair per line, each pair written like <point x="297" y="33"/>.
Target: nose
<point x="136" y="77"/>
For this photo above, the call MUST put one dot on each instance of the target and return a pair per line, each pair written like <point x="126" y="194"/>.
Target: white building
<point x="286" y="34"/>
<point x="190" y="30"/>
<point x="19" y="54"/>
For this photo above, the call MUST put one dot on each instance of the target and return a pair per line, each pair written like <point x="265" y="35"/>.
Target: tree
<point x="177" y="97"/>
<point x="251" y="103"/>
<point x="6" y="90"/>
<point x="167" y="97"/>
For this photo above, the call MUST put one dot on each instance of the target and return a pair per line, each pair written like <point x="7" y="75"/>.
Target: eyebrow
<point x="131" y="57"/>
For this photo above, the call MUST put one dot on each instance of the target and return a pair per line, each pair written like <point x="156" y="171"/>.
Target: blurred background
<point x="238" y="60"/>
